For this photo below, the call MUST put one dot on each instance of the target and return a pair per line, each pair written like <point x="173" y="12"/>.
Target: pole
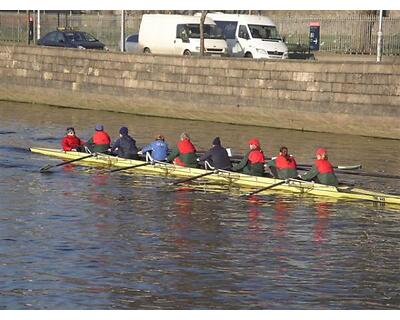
<point x="122" y="31"/>
<point x="38" y="25"/>
<point x="379" y="48"/>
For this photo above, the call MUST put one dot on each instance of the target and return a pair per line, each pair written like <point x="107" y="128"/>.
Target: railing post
<point x="122" y="30"/>
<point x="379" y="48"/>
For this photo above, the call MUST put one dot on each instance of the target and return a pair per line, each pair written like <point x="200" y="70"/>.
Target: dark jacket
<point x="125" y="147"/>
<point x="218" y="157"/>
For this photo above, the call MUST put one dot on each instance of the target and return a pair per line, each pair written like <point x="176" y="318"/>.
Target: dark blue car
<point x="71" y="39"/>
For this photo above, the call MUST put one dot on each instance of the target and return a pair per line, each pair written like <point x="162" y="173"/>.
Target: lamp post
<point x="379" y="48"/>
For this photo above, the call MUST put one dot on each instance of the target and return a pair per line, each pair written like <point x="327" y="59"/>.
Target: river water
<point x="79" y="239"/>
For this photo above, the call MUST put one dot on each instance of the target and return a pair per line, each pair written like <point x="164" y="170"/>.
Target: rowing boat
<point x="226" y="177"/>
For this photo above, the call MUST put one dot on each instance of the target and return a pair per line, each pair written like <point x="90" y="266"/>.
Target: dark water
<point x="78" y="239"/>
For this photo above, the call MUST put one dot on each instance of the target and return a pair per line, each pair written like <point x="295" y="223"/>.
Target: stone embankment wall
<point x="361" y="98"/>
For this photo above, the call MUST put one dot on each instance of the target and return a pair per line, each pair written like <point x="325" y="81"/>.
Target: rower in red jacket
<point x="184" y="154"/>
<point x="253" y="161"/>
<point x="100" y="141"/>
<point x="322" y="170"/>
<point x="71" y="142"/>
<point x="284" y="165"/>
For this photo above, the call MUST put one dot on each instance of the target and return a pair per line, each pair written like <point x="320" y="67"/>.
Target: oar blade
<point x="47" y="167"/>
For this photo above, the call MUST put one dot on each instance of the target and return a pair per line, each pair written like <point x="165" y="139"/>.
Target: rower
<point x="100" y="141"/>
<point x="253" y="161"/>
<point x="322" y="170"/>
<point x="217" y="157"/>
<point x="284" y="165"/>
<point x="71" y="142"/>
<point x="158" y="149"/>
<point x="184" y="153"/>
<point x="125" y="146"/>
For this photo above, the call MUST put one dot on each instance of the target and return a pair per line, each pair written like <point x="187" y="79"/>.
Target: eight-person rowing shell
<point x="283" y="166"/>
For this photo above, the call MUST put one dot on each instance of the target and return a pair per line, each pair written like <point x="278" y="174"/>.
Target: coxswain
<point x="284" y="165"/>
<point x="184" y="153"/>
<point x="217" y="157"/>
<point x="158" y="149"/>
<point x="125" y="146"/>
<point x="322" y="170"/>
<point x="71" y="142"/>
<point x="100" y="141"/>
<point x="253" y="161"/>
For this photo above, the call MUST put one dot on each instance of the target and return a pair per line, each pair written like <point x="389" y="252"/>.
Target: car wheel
<point x="187" y="53"/>
<point x="146" y="51"/>
<point x="248" y="55"/>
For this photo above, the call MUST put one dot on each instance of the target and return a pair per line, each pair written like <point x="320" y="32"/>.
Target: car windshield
<point x="264" y="32"/>
<point x="211" y="31"/>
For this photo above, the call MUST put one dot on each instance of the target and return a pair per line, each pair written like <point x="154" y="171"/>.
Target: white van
<point x="179" y="35"/>
<point x="251" y="36"/>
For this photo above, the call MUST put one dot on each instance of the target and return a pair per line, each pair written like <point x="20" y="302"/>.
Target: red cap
<point x="254" y="141"/>
<point x="320" y="151"/>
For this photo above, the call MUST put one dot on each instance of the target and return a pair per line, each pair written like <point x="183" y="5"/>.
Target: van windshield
<point x="211" y="31"/>
<point x="228" y="28"/>
<point x="264" y="32"/>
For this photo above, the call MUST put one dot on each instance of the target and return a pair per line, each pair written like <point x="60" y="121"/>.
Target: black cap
<point x="216" y="142"/>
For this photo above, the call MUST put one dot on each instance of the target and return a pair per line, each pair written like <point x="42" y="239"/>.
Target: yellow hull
<point x="225" y="177"/>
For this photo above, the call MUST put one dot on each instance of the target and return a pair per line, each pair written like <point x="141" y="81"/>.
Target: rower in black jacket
<point x="217" y="156"/>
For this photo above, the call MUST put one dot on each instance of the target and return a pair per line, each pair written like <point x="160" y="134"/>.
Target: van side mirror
<point x="283" y="39"/>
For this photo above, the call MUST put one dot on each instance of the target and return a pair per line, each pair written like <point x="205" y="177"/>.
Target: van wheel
<point x="248" y="55"/>
<point x="146" y="51"/>
<point x="187" y="53"/>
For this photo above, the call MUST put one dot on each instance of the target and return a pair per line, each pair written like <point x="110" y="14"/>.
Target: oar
<point x="374" y="175"/>
<point x="238" y="158"/>
<point x="49" y="166"/>
<point x="130" y="167"/>
<point x="195" y="177"/>
<point x="354" y="167"/>
<point x="265" y="188"/>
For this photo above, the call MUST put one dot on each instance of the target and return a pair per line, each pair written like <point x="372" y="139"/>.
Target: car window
<point x="60" y="37"/>
<point x="133" y="38"/>
<point x="51" y="37"/>
<point x="243" y="32"/>
<point x="88" y="37"/>
<point x="264" y="32"/>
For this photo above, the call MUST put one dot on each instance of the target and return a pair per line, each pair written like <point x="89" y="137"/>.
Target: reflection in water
<point x="322" y="214"/>
<point x="254" y="213"/>
<point x="80" y="239"/>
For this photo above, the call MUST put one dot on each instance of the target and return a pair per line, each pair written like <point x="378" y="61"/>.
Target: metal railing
<point x="344" y="35"/>
<point x="348" y="34"/>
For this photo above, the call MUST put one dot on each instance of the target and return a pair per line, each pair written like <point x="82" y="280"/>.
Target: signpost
<point x="314" y="36"/>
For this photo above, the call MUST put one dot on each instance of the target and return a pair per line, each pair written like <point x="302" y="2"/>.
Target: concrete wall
<point x="342" y="97"/>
